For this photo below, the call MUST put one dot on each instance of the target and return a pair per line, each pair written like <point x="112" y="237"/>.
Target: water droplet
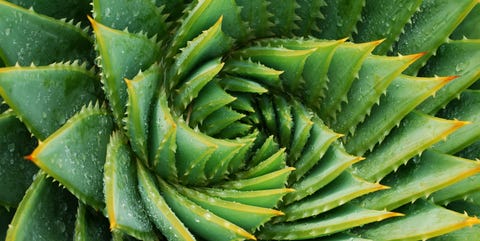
<point x="460" y="67"/>
<point x="11" y="147"/>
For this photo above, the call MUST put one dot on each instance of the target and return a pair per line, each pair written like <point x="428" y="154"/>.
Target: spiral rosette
<point x="239" y="120"/>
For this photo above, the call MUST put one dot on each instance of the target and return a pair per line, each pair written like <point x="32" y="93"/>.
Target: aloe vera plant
<point x="239" y="120"/>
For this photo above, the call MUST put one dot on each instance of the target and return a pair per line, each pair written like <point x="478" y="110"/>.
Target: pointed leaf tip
<point x="472" y="221"/>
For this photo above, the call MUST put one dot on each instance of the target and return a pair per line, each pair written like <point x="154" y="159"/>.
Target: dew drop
<point x="11" y="147"/>
<point x="460" y="67"/>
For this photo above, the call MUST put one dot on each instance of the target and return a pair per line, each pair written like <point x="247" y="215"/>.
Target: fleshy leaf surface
<point x="76" y="160"/>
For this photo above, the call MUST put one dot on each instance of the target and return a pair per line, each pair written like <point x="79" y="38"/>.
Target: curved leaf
<point x="15" y="172"/>
<point x="125" y="211"/>
<point x="39" y="39"/>
<point x="131" y="53"/>
<point x="76" y="160"/>
<point x="46" y="212"/>
<point x="45" y="97"/>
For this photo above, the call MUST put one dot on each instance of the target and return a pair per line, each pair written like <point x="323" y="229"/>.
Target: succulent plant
<point x="239" y="120"/>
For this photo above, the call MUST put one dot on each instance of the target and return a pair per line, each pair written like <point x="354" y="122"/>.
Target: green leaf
<point x="471" y="152"/>
<point x="268" y="113"/>
<point x="39" y="39"/>
<point x="344" y="237"/>
<point x="173" y="8"/>
<point x="434" y="16"/>
<point x="162" y="139"/>
<point x="417" y="223"/>
<point x="60" y="90"/>
<point x="466" y="206"/>
<point x="59" y="9"/>
<point x="267" y="198"/>
<point x="432" y="172"/>
<point x="382" y="20"/>
<point x="90" y="225"/>
<point x="468" y="233"/>
<point x="239" y="160"/>
<point x="141" y="91"/>
<point x="416" y="133"/>
<point x="204" y="15"/>
<point x="309" y="14"/>
<point x="201" y="221"/>
<point x="340" y="18"/>
<point x="394" y="106"/>
<point x="462" y="110"/>
<point x="242" y="85"/>
<point x="268" y="148"/>
<point x="257" y="17"/>
<point x="291" y="62"/>
<point x="343" y="70"/>
<point x="235" y="130"/>
<point x="119" y="236"/>
<point x="245" y="216"/>
<point x="75" y="154"/>
<point x="211" y="98"/>
<point x="211" y="44"/>
<point x="332" y="164"/>
<point x="226" y="152"/>
<point x="122" y="55"/>
<point x="142" y="16"/>
<point x="216" y="122"/>
<point x="15" y="172"/>
<point x="123" y="206"/>
<point x="454" y="58"/>
<point x="321" y="137"/>
<point x="474" y="198"/>
<point x="468" y="28"/>
<point x="284" y="120"/>
<point x="284" y="17"/>
<point x="339" y="219"/>
<point x="457" y="191"/>
<point x="193" y="151"/>
<point x="254" y="71"/>
<point x="158" y="209"/>
<point x="366" y="91"/>
<point x="273" y="180"/>
<point x="271" y="164"/>
<point x="194" y="84"/>
<point x="303" y="125"/>
<point x="341" y="190"/>
<point x="47" y="212"/>
<point x="316" y="67"/>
